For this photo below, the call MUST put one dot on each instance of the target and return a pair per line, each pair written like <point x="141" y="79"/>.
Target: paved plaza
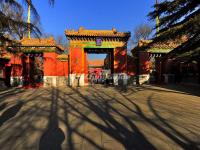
<point x="98" y="117"/>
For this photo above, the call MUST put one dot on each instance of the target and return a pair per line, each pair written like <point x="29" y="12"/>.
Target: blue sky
<point x="124" y="15"/>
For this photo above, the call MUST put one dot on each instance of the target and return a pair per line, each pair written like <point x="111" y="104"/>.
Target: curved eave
<point x="159" y="50"/>
<point x="62" y="57"/>
<point x="97" y="33"/>
<point x="36" y="49"/>
<point x="5" y="57"/>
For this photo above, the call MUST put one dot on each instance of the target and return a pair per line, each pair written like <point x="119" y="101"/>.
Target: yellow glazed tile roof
<point x="97" y="33"/>
<point x="165" y="47"/>
<point x="38" y="42"/>
<point x="43" y="42"/>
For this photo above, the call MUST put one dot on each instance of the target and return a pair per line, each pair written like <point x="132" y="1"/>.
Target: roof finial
<point x="114" y="30"/>
<point x="81" y="29"/>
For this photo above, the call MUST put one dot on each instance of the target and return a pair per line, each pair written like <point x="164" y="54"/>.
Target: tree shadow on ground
<point x="3" y="106"/>
<point x="171" y="88"/>
<point x="190" y="90"/>
<point x="120" y="126"/>
<point x="165" y="127"/>
<point x="175" y="135"/>
<point x="53" y="137"/>
<point x="10" y="112"/>
<point x="11" y="92"/>
<point x="24" y="124"/>
<point x="129" y="136"/>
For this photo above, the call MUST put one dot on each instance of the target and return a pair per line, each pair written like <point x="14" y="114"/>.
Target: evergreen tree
<point x="179" y="18"/>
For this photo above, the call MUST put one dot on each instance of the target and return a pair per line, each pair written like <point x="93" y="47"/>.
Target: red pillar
<point x="120" y="60"/>
<point x="77" y="61"/>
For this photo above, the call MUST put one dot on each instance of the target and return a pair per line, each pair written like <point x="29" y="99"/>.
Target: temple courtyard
<point x="99" y="117"/>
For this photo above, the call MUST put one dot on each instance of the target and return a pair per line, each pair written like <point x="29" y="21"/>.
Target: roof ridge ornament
<point x="114" y="30"/>
<point x="81" y="29"/>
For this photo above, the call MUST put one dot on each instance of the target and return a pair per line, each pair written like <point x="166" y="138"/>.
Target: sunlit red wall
<point x="53" y="66"/>
<point x="77" y="60"/>
<point x="61" y="68"/>
<point x="49" y="64"/>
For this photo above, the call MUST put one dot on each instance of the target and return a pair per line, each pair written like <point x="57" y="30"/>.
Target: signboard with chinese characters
<point x="98" y="42"/>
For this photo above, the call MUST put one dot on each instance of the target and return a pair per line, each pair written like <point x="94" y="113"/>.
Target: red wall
<point x="144" y="63"/>
<point x="120" y="60"/>
<point x="131" y="66"/>
<point x="62" y="68"/>
<point x="49" y="64"/>
<point x="16" y="64"/>
<point x="77" y="60"/>
<point x="53" y="66"/>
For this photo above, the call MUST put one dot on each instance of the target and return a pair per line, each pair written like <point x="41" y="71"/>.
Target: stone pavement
<point x="97" y="117"/>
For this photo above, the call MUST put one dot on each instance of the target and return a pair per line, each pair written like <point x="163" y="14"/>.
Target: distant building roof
<point x="97" y="33"/>
<point x="159" y="47"/>
<point x="96" y="63"/>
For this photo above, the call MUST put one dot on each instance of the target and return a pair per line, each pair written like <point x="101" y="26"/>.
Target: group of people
<point x="99" y="78"/>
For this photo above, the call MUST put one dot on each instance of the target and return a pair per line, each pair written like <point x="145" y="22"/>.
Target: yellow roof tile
<point x="43" y="42"/>
<point x="105" y="33"/>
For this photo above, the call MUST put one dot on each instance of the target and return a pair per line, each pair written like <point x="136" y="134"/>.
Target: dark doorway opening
<point x="33" y="69"/>
<point x="7" y="75"/>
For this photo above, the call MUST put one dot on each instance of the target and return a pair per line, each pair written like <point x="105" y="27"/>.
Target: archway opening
<point x="100" y="65"/>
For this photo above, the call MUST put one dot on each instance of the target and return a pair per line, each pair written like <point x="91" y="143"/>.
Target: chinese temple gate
<point x="153" y="60"/>
<point x="38" y="62"/>
<point x="84" y="41"/>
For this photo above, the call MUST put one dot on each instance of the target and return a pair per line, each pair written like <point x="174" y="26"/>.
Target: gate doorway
<point x="32" y="69"/>
<point x="99" y="70"/>
<point x="83" y="42"/>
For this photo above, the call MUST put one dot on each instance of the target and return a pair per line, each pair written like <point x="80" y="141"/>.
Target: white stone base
<point x="77" y="80"/>
<point x="16" y="81"/>
<point x="120" y="79"/>
<point x="55" y="81"/>
<point x="144" y="78"/>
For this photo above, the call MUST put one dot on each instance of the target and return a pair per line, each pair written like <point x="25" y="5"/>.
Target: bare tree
<point x="62" y="40"/>
<point x="142" y="31"/>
